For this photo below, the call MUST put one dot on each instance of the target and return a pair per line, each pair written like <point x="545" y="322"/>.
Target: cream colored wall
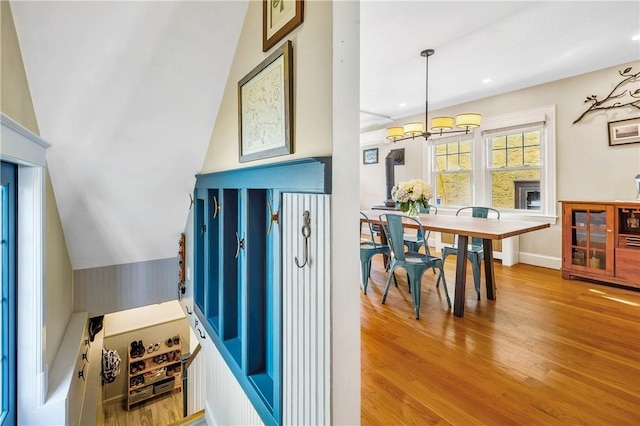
<point x="587" y="167"/>
<point x="15" y="101"/>
<point x="312" y="70"/>
<point x="373" y="176"/>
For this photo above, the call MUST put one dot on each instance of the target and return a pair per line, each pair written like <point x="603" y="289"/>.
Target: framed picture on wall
<point x="265" y="107"/>
<point x="279" y="18"/>
<point x="370" y="156"/>
<point x="622" y="132"/>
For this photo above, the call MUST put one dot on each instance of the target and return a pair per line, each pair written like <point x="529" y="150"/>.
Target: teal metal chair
<point x="414" y="263"/>
<point x="417" y="240"/>
<point x="475" y="252"/>
<point x="368" y="249"/>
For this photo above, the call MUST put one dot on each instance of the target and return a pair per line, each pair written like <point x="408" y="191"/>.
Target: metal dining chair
<point x="417" y="240"/>
<point x="368" y="249"/>
<point x="475" y="252"/>
<point x="414" y="263"/>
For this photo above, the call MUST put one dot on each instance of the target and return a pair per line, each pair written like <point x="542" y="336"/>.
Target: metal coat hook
<point x="306" y="233"/>
<point x="216" y="207"/>
<point x="191" y="201"/>
<point x="81" y="374"/>
<point x="202" y="335"/>
<point x="84" y="355"/>
<point x="189" y="311"/>
<point x="273" y="216"/>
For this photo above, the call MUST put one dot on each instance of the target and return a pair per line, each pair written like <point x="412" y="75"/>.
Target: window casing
<point x="511" y="168"/>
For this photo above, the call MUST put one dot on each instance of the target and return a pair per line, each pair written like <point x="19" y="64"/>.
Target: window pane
<point x="532" y="156"/>
<point x="514" y="157"/>
<point x="453" y="189"/>
<point x="499" y="142"/>
<point x="465" y="161"/>
<point x="465" y="146"/>
<point x="516" y="189"/>
<point x="514" y="140"/>
<point x="498" y="158"/>
<point x="452" y="148"/>
<point x="532" y="138"/>
<point x="441" y="163"/>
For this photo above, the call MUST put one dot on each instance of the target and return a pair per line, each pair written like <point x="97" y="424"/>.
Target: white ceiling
<point x="518" y="44"/>
<point x="127" y="92"/>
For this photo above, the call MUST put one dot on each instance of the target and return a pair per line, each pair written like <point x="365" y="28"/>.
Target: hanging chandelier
<point x="439" y="125"/>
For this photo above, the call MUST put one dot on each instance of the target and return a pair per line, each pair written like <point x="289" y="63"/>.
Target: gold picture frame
<point x="279" y="18"/>
<point x="265" y="107"/>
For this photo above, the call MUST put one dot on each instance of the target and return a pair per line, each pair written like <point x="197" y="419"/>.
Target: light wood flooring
<point x="547" y="352"/>
<point x="160" y="411"/>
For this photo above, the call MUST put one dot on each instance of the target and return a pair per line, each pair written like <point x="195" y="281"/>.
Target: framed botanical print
<point x="265" y="107"/>
<point x="279" y="18"/>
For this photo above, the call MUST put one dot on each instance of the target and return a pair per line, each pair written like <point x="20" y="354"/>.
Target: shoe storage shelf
<point x="150" y="374"/>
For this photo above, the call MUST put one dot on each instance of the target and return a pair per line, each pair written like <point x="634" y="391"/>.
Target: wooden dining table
<point x="465" y="226"/>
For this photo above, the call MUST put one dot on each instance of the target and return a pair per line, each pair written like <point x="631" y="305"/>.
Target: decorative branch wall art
<point x="613" y="98"/>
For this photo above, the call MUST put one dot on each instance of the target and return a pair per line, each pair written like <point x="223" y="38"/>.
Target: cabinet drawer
<point x="628" y="264"/>
<point x="629" y="241"/>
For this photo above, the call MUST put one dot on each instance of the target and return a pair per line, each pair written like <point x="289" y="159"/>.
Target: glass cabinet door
<point x="589" y="238"/>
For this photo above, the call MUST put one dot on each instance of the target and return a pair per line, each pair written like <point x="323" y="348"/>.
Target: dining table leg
<point x="461" y="275"/>
<point x="490" y="277"/>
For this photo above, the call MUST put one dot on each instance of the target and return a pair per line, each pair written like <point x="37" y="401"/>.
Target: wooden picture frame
<point x="370" y="156"/>
<point x="265" y="107"/>
<point x="279" y="18"/>
<point x="623" y="132"/>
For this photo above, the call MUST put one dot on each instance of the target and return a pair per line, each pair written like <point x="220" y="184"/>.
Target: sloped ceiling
<point x="127" y="93"/>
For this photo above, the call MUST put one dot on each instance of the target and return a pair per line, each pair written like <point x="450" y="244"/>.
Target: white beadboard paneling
<point x="226" y="403"/>
<point x="306" y="311"/>
<point x="119" y="287"/>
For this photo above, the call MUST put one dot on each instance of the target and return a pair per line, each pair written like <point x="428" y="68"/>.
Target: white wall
<point x="587" y="167"/>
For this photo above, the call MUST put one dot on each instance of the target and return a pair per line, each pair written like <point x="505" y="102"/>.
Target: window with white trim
<point x="508" y="164"/>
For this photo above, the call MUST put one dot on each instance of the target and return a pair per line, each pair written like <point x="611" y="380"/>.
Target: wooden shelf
<point x="151" y="366"/>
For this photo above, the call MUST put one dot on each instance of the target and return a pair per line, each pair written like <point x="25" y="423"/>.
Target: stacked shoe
<point x="137" y="349"/>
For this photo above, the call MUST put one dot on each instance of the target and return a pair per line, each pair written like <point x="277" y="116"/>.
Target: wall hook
<point x="202" y="335"/>
<point x="273" y="216"/>
<point x="84" y="355"/>
<point x="81" y="374"/>
<point x="306" y="233"/>
<point x="190" y="201"/>
<point x="189" y="311"/>
<point x="216" y="207"/>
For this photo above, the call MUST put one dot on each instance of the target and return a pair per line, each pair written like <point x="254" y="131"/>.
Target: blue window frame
<point x="9" y="201"/>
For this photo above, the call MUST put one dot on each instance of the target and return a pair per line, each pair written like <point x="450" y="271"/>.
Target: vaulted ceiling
<point x="127" y="93"/>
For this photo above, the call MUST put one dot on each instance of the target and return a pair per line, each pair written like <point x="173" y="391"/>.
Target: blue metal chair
<point x="475" y="252"/>
<point x="414" y="263"/>
<point x="414" y="242"/>
<point x="368" y="249"/>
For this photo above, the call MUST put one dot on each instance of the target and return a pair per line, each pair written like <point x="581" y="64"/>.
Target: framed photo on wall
<point x="622" y="132"/>
<point x="265" y="107"/>
<point x="279" y="18"/>
<point x="370" y="156"/>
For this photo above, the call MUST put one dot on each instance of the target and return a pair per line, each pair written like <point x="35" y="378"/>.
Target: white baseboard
<point x="539" y="260"/>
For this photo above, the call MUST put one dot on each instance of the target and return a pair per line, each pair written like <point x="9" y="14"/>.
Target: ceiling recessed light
<point x="635" y="38"/>
<point x="402" y="105"/>
<point x="487" y="80"/>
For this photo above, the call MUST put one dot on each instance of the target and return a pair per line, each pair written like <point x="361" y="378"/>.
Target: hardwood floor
<point x="547" y="351"/>
<point x="159" y="411"/>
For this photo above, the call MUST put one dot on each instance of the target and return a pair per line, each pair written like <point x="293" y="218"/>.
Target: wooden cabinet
<point x="154" y="373"/>
<point x="601" y="241"/>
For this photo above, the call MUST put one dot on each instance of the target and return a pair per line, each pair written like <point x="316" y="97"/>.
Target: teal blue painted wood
<point x="475" y="252"/>
<point x="304" y="175"/>
<point x="8" y="352"/>
<point x="238" y="262"/>
<point x="412" y="262"/>
<point x="414" y="242"/>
